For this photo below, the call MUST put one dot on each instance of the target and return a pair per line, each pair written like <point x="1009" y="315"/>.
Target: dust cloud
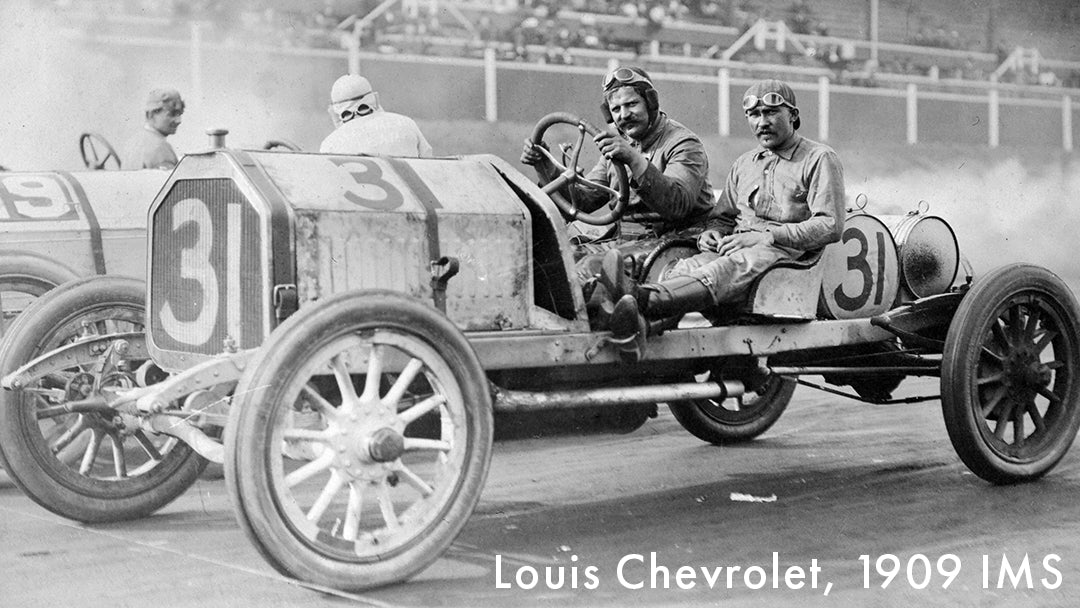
<point x="65" y="76"/>
<point x="1003" y="208"/>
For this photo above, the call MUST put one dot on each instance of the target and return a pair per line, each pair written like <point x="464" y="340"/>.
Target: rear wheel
<point x="359" y="441"/>
<point x="1010" y="374"/>
<point x="24" y="278"/>
<point x="737" y="419"/>
<point x="96" y="466"/>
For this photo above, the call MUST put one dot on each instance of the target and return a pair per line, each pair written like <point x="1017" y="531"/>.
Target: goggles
<point x="623" y="77"/>
<point x="361" y="110"/>
<point x="771" y="99"/>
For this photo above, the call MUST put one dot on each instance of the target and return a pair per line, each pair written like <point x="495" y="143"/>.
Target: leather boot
<point x="598" y="305"/>
<point x="667" y="301"/>
<point x="674" y="297"/>
<point x="613" y="275"/>
<point x="628" y="328"/>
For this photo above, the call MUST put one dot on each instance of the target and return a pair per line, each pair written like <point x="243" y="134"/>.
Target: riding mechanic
<point x="150" y="149"/>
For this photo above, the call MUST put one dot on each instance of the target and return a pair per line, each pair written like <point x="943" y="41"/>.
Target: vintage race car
<point x="56" y="226"/>
<point x="339" y="330"/>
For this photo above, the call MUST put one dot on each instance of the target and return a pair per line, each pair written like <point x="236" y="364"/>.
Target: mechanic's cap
<point x="350" y="87"/>
<point x="772" y="93"/>
<point x="168" y="99"/>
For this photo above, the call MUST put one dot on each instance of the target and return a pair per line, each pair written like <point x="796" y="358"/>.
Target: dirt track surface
<point x="849" y="479"/>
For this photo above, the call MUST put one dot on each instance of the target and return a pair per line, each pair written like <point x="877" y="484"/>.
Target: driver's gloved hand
<point x="531" y="156"/>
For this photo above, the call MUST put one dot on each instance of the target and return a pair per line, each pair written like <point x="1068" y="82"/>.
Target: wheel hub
<point x="367" y="442"/>
<point x="79" y="386"/>
<point x="386" y="445"/>
<point x="1024" y="370"/>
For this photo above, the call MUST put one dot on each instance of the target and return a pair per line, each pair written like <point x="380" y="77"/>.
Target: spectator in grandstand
<point x="149" y="149"/>
<point x="665" y="161"/>
<point x="363" y="127"/>
<point x="782" y="199"/>
<point x="801" y="18"/>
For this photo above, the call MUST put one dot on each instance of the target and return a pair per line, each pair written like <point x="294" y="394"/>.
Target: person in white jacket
<point x="363" y="127"/>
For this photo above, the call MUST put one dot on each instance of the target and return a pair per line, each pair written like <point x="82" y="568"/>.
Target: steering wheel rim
<point x="619" y="197"/>
<point x="273" y="144"/>
<point x="88" y="148"/>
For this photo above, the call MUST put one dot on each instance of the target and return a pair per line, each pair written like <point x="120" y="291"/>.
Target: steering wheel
<point x="571" y="174"/>
<point x="89" y="143"/>
<point x="274" y="144"/>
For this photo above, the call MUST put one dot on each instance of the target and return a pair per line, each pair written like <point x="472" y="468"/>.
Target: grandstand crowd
<point x="975" y="43"/>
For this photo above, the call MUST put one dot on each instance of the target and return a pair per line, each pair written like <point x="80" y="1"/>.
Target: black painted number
<point x="873" y="283"/>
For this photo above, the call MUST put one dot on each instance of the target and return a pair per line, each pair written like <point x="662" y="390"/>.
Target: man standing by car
<point x="786" y="197"/>
<point x="363" y="127"/>
<point x="666" y="162"/>
<point x="150" y="149"/>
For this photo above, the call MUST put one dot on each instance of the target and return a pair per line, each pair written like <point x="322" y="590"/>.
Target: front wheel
<point x="738" y="419"/>
<point x="359" y="440"/>
<point x="1010" y="390"/>
<point x="88" y="466"/>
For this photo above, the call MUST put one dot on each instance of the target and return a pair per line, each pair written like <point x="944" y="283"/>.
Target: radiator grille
<point x="207" y="283"/>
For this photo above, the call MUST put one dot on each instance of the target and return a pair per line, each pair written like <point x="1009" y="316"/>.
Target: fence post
<point x="1066" y="123"/>
<point x="196" y="63"/>
<point x="351" y="42"/>
<point x="823" y="108"/>
<point x="491" y="95"/>
<point x="912" y="114"/>
<point x="723" y="106"/>
<point x="994" y="127"/>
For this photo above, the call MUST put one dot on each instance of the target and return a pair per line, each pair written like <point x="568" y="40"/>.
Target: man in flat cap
<point x="149" y="149"/>
<point x="784" y="198"/>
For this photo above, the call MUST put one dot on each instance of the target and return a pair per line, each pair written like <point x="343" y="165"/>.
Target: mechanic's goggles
<point x="771" y="99"/>
<point x="623" y="77"/>
<point x="360" y="110"/>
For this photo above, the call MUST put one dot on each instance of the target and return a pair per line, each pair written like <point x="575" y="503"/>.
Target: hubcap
<point x="386" y="445"/>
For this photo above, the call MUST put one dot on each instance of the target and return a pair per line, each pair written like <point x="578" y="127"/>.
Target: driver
<point x="150" y="149"/>
<point x="666" y="163"/>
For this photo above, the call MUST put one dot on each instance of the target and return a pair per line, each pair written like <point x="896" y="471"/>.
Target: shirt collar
<point x="151" y="129"/>
<point x="786" y="153"/>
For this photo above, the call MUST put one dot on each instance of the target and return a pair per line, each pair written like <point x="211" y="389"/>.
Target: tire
<point x="1010" y="374"/>
<point x="68" y="463"/>
<point x="275" y="491"/>
<point x="738" y="419"/>
<point x="659" y="262"/>
<point x="24" y="278"/>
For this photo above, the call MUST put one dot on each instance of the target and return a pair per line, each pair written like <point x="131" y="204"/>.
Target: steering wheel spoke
<point x="91" y="146"/>
<point x="551" y="157"/>
<point x="570" y="176"/>
<point x="611" y="192"/>
<point x="556" y="184"/>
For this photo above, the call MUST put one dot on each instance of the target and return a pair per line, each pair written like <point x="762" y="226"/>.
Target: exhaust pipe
<point x="532" y="401"/>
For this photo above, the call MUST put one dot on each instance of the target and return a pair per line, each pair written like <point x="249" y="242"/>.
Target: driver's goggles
<point x="622" y="77"/>
<point x="771" y="99"/>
